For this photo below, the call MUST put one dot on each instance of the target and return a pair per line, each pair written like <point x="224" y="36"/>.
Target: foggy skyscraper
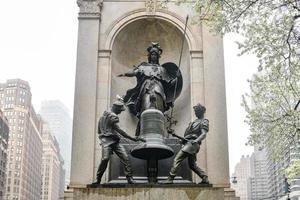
<point x="57" y="116"/>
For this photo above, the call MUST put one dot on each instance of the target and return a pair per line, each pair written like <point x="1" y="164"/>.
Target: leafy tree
<point x="271" y="29"/>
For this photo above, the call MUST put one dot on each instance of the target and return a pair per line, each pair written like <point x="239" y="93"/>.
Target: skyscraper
<point x="25" y="141"/>
<point x="295" y="183"/>
<point x="4" y="131"/>
<point x="242" y="173"/>
<point x="62" y="178"/>
<point x="52" y="171"/>
<point x="262" y="177"/>
<point x="60" y="123"/>
<point x="276" y="173"/>
<point x="259" y="175"/>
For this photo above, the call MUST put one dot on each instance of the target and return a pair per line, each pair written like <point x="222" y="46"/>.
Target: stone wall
<point x="171" y="193"/>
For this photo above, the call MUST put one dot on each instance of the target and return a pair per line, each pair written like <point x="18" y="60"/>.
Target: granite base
<point x="149" y="192"/>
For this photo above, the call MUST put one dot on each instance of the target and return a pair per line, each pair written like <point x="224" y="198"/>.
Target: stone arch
<point x="170" y="17"/>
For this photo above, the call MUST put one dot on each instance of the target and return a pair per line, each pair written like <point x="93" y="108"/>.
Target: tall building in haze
<point x="52" y="172"/>
<point x="62" y="179"/>
<point x="259" y="175"/>
<point x="242" y="174"/>
<point x="25" y="141"/>
<point x="57" y="116"/>
<point x="4" y="132"/>
<point x="252" y="176"/>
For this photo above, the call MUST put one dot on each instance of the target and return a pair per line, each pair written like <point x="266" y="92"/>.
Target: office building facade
<point x="242" y="173"/>
<point x="25" y="142"/>
<point x="259" y="175"/>
<point x="4" y="133"/>
<point x="52" y="170"/>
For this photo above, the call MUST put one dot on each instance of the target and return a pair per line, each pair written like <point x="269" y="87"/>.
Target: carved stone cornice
<point x="90" y="8"/>
<point x="197" y="54"/>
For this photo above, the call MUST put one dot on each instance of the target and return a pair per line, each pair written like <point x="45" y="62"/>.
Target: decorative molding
<point x="90" y="8"/>
<point x="196" y="54"/>
<point x="104" y="53"/>
<point x="152" y="5"/>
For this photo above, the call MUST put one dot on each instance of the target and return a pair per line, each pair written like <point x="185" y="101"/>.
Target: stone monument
<point x="112" y="36"/>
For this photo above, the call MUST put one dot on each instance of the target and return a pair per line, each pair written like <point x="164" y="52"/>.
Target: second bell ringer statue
<point x="194" y="134"/>
<point x="109" y="135"/>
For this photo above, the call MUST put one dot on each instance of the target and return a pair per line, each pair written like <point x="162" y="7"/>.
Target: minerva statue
<point x="155" y="84"/>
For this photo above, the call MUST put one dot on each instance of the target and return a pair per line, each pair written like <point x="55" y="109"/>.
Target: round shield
<point x="173" y="89"/>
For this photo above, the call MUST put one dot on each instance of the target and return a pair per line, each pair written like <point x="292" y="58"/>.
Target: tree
<point x="271" y="29"/>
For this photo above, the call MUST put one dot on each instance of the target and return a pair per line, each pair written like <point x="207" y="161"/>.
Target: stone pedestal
<point x="229" y="194"/>
<point x="150" y="192"/>
<point x="194" y="192"/>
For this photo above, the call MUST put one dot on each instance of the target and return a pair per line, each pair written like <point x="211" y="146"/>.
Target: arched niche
<point x="129" y="48"/>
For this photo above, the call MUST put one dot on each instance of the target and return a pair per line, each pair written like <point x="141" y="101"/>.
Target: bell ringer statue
<point x="194" y="134"/>
<point x="109" y="135"/>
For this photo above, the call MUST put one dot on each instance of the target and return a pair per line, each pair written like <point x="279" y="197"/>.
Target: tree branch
<point x="243" y="11"/>
<point x="230" y="6"/>
<point x="297" y="105"/>
<point x="289" y="45"/>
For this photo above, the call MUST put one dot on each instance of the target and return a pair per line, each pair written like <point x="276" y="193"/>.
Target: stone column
<point x="84" y="129"/>
<point x="215" y="102"/>
<point x="103" y="100"/>
<point x="197" y="96"/>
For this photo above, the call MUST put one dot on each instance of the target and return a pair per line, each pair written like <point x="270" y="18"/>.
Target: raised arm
<point x="131" y="73"/>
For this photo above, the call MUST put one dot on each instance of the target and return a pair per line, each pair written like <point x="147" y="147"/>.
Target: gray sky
<point x="38" y="42"/>
<point x="237" y="71"/>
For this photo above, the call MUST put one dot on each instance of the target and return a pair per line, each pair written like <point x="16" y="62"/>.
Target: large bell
<point x="152" y="129"/>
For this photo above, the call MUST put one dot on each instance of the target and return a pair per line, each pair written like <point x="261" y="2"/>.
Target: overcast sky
<point x="38" y="42"/>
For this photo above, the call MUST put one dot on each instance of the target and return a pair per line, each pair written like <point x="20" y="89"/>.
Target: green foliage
<point x="273" y="116"/>
<point x="293" y="170"/>
<point x="271" y="29"/>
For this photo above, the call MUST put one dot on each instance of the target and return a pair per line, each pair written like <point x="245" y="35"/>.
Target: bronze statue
<point x="155" y="84"/>
<point x="194" y="134"/>
<point x="157" y="88"/>
<point x="109" y="135"/>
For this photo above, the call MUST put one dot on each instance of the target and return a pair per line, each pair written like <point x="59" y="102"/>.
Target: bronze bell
<point x="152" y="129"/>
